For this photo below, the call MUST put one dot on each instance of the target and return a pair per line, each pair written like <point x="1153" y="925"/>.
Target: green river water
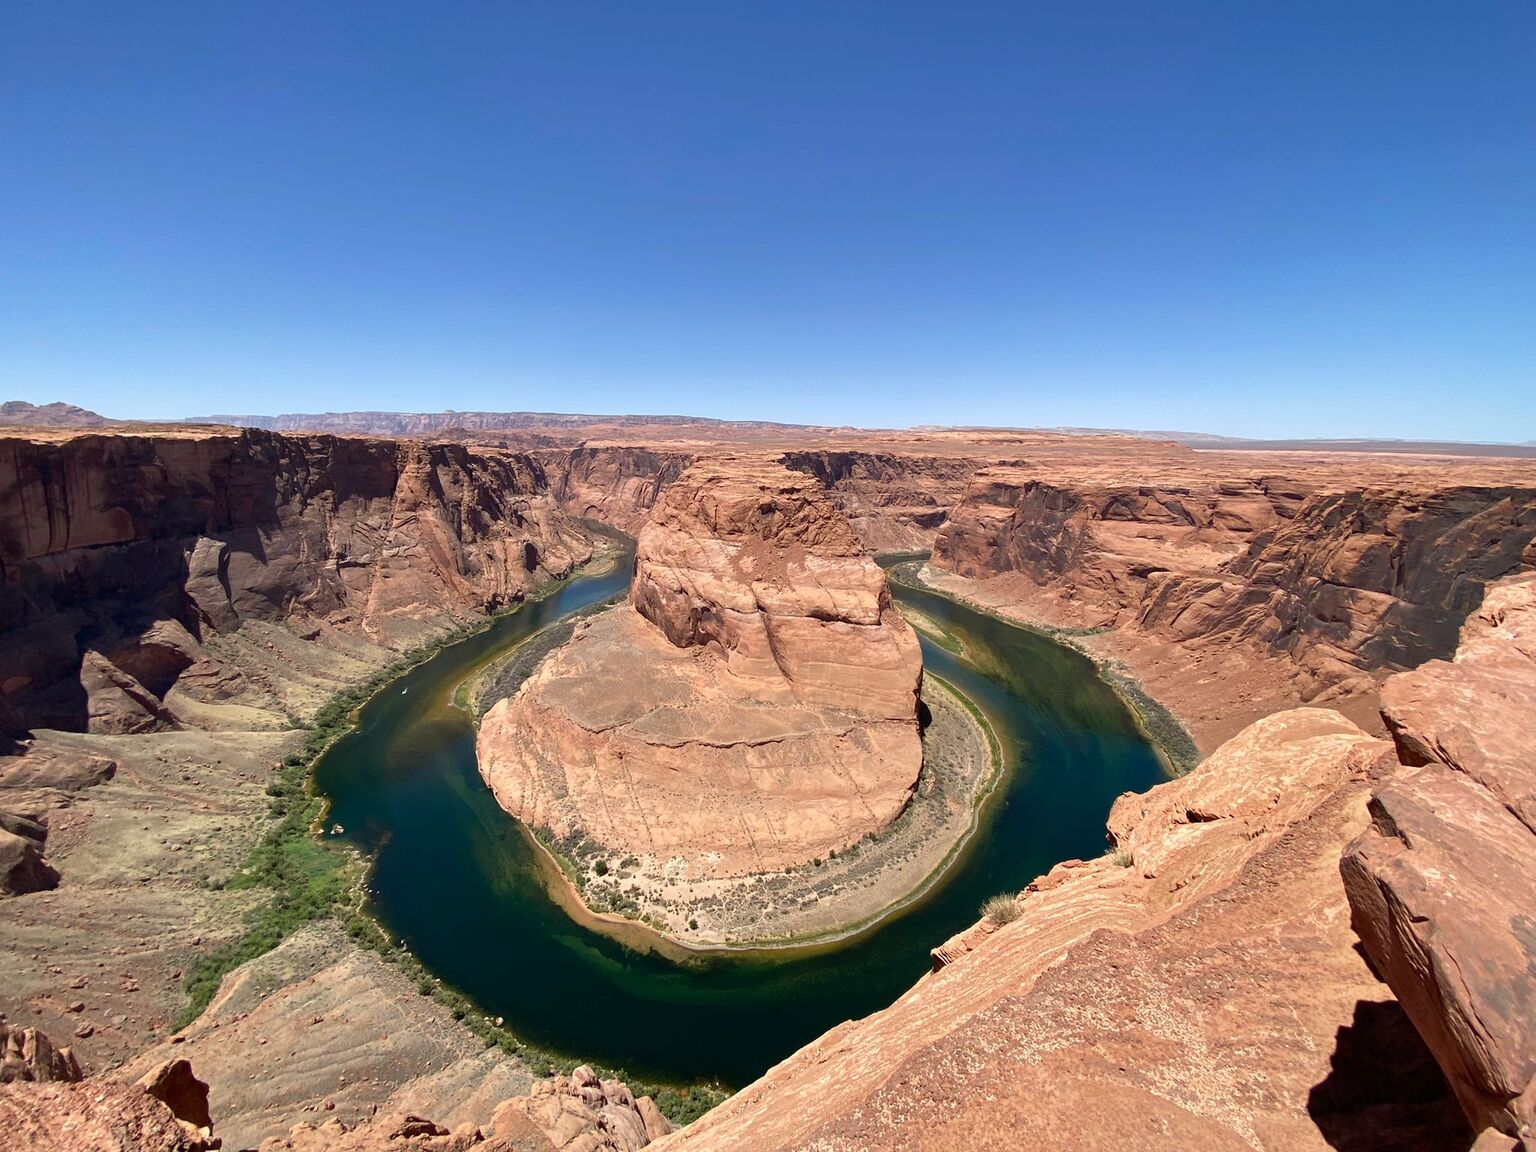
<point x="457" y="881"/>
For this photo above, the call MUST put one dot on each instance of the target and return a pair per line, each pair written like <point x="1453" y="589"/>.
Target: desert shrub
<point x="1004" y="908"/>
<point x="1122" y="858"/>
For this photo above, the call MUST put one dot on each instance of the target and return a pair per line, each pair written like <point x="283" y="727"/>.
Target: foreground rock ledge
<point x="1199" y="989"/>
<point x="1443" y="884"/>
<point x="754" y="708"/>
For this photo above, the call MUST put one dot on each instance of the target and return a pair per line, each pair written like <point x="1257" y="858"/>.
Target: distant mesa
<point x="20" y="414"/>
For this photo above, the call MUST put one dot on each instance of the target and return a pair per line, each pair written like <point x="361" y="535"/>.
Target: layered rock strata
<point x="123" y="557"/>
<point x="1443" y="884"/>
<point x="754" y="706"/>
<point x="613" y="483"/>
<point x="1341" y="585"/>
<point x="894" y="502"/>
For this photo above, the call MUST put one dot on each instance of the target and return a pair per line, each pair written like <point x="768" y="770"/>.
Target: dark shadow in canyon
<point x="1384" y="1090"/>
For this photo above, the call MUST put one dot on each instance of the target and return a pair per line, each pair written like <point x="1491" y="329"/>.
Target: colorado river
<point x="456" y="880"/>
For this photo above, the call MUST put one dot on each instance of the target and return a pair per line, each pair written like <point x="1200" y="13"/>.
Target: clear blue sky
<point x="1280" y="218"/>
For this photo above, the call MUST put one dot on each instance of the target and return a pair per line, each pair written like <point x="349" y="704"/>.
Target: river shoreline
<point x="886" y="887"/>
<point x="1168" y="735"/>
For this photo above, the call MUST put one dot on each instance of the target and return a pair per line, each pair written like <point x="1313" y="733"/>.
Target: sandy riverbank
<point x="648" y="904"/>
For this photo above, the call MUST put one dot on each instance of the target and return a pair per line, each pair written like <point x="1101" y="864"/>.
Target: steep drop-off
<point x="123" y="557"/>
<point x="1443" y="883"/>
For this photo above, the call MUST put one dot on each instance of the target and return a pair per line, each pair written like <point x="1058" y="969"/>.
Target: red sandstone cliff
<point x="121" y="555"/>
<point x="1340" y="584"/>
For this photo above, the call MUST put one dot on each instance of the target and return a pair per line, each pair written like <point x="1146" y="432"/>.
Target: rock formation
<point x="615" y="484"/>
<point x="121" y="556"/>
<point x="755" y="708"/>
<point x="1341" y="584"/>
<point x="1198" y="988"/>
<point x="167" y="1110"/>
<point x="754" y="561"/>
<point x="894" y="502"/>
<point x="28" y="1055"/>
<point x="1443" y="885"/>
<point x="23" y="833"/>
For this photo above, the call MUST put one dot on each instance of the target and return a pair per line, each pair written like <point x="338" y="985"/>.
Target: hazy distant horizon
<point x="1307" y="220"/>
<point x="1192" y="435"/>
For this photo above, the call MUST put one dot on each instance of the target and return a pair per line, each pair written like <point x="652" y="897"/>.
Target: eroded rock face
<point x="122" y="555"/>
<point x="1443" y="885"/>
<point x="1199" y="990"/>
<point x="754" y="708"/>
<point x="893" y="502"/>
<point x="62" y="1112"/>
<point x="755" y="561"/>
<point x="23" y="836"/>
<point x="576" y="1113"/>
<point x="1343" y="584"/>
<point x="28" y="1055"/>
<point x="615" y="484"/>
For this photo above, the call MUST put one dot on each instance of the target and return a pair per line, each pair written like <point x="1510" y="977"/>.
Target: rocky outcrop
<point x="28" y="1055"/>
<point x="122" y="555"/>
<point x="23" y="834"/>
<point x="582" y="1111"/>
<point x="754" y="561"/>
<point x="1443" y="884"/>
<point x="1342" y="585"/>
<point x="52" y="1109"/>
<point x="755" y="708"/>
<point x="1198" y="988"/>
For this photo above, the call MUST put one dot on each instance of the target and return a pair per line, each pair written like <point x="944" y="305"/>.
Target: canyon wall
<point x="616" y="485"/>
<point x="122" y="556"/>
<point x="1317" y="939"/>
<point x="1340" y="584"/>
<point x="894" y="502"/>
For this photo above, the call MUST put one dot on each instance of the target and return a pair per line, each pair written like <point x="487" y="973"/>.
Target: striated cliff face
<point x="616" y="485"/>
<point x="894" y="502"/>
<point x="123" y="556"/>
<point x="754" y="560"/>
<point x="755" y="705"/>
<point x="1341" y="584"/>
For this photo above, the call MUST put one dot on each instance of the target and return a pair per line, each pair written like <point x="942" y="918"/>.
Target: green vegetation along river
<point x="456" y="880"/>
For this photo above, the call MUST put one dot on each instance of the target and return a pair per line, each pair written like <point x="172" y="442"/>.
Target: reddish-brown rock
<point x="120" y="555"/>
<point x="753" y="560"/>
<point x="1199" y="989"/>
<point x="1443" y="885"/>
<point x="1341" y="584"/>
<point x="754" y="709"/>
<point x="28" y="1055"/>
